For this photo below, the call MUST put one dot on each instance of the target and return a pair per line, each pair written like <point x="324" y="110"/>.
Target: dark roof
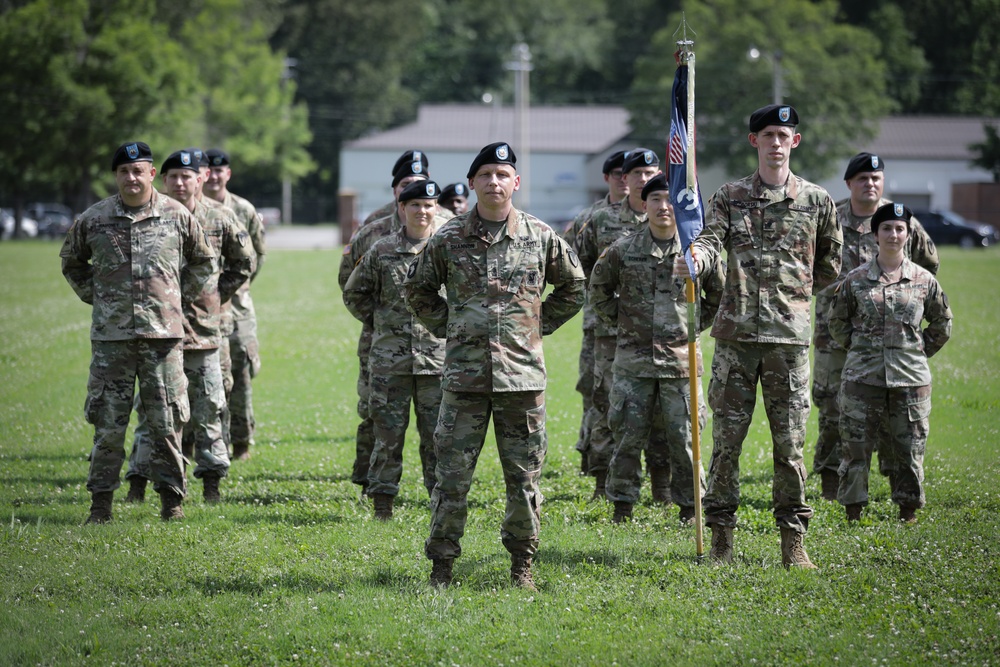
<point x="469" y="127"/>
<point x="929" y="137"/>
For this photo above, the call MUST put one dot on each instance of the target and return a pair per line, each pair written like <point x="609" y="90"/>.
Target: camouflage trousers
<point x="783" y="373"/>
<point x="203" y="431"/>
<point x="390" y="410"/>
<point x="245" y="361"/>
<point x="902" y="411"/>
<point x="602" y="440"/>
<point x="585" y="386"/>
<point x="827" y="368"/>
<point x="519" y="426"/>
<point x="158" y="366"/>
<point x="635" y="403"/>
<point x="226" y="367"/>
<point x="364" y="441"/>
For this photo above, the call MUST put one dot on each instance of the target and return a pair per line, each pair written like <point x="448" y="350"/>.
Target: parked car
<point x="270" y="216"/>
<point x="948" y="227"/>
<point x="28" y="226"/>
<point x="53" y="219"/>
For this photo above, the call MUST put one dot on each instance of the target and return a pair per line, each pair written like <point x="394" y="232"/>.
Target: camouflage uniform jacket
<point x="136" y="272"/>
<point x="379" y="213"/>
<point x="780" y="248"/>
<point x="242" y="305"/>
<point x="879" y="325"/>
<point x="570" y="236"/>
<point x="633" y="288"/>
<point x="493" y="315"/>
<point x="401" y="344"/>
<point x="234" y="263"/>
<point x="605" y="226"/>
<point x="859" y="247"/>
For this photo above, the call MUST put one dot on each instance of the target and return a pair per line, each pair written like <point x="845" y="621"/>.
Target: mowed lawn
<point x="291" y="568"/>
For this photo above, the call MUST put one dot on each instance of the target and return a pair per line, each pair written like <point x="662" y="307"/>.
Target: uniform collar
<point x="760" y="191"/>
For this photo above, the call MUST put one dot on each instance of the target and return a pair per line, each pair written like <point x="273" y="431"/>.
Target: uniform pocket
<point x="616" y="409"/>
<point x="717" y="385"/>
<point x="919" y="409"/>
<point x="94" y="401"/>
<point x="535" y="418"/>
<point x="178" y="399"/>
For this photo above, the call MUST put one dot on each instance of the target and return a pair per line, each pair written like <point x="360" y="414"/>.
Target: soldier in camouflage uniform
<point x="604" y="227"/>
<point x="783" y="242"/>
<point x="239" y="351"/>
<point x="405" y="360"/>
<point x="864" y="178"/>
<point x="876" y="316"/>
<point x="134" y="256"/>
<point x="617" y="192"/>
<point x="494" y="263"/>
<point x="360" y="243"/>
<point x="202" y="439"/>
<point x="455" y="198"/>
<point x="634" y="290"/>
<point x="405" y="160"/>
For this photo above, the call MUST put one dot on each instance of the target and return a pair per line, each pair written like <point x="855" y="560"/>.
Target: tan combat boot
<point x="383" y="506"/>
<point x="659" y="483"/>
<point x="830" y="482"/>
<point x="623" y="512"/>
<point x="100" y="507"/>
<point x="241" y="452"/>
<point x="211" y="492"/>
<point x="793" y="554"/>
<point x="722" y="545"/>
<point x="136" y="490"/>
<point x="907" y="514"/>
<point x="170" y="505"/>
<point x="853" y="512"/>
<point x="520" y="572"/>
<point x="600" y="485"/>
<point x="686" y="516"/>
<point x="441" y="572"/>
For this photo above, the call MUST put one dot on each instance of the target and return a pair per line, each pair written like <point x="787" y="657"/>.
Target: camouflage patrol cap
<point x="454" y="190"/>
<point x="863" y="162"/>
<point x="420" y="190"/>
<point x="495" y="153"/>
<point x="133" y="151"/>
<point x="415" y="168"/>
<point x="217" y="157"/>
<point x="773" y="114"/>
<point x="891" y="211"/>
<point x="639" y="157"/>
<point x="655" y="184"/>
<point x="613" y="162"/>
<point x="183" y="159"/>
<point x="408" y="157"/>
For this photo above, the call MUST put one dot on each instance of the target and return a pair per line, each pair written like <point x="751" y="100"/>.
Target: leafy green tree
<point x="988" y="152"/>
<point x="828" y="69"/>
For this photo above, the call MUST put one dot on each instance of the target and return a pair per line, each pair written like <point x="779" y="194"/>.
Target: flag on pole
<point x="683" y="173"/>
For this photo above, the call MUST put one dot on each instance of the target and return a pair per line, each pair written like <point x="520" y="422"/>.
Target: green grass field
<point x="291" y="568"/>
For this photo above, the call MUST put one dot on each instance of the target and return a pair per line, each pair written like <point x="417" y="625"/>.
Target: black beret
<point x="863" y="162"/>
<point x="199" y="156"/>
<point x="614" y="161"/>
<point x="411" y="156"/>
<point x="655" y="184"/>
<point x="496" y="153"/>
<point x="639" y="157"/>
<point x="455" y="190"/>
<point x="217" y="157"/>
<point x="773" y="114"/>
<point x="134" y="151"/>
<point x="409" y="169"/>
<point x="420" y="190"/>
<point x="184" y="159"/>
<point x="891" y="211"/>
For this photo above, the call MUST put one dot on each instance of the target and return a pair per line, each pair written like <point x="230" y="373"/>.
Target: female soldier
<point x="876" y="316"/>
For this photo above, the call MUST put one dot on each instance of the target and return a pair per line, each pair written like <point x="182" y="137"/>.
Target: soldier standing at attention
<point x="455" y="198"/>
<point x="202" y="324"/>
<point x="131" y="256"/>
<point x="876" y="316"/>
<point x="606" y="226"/>
<point x="405" y="359"/>
<point x="494" y="263"/>
<point x="360" y="243"/>
<point x="864" y="178"/>
<point x="239" y="348"/>
<point x="617" y="192"/>
<point x="634" y="289"/>
<point x="783" y="243"/>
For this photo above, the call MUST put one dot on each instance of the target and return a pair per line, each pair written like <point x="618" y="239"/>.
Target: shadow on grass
<point x="43" y="456"/>
<point x="47" y="481"/>
<point x="32" y="518"/>
<point x="296" y="476"/>
<point x="306" y="439"/>
<point x="248" y="584"/>
<point x="318" y="519"/>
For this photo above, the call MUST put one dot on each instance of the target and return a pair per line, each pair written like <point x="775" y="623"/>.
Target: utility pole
<point x="521" y="65"/>
<point x="286" y="179"/>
